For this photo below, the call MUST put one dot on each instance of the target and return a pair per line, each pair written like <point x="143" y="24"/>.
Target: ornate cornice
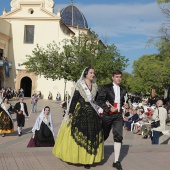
<point x="18" y="5"/>
<point x="14" y="3"/>
<point x="31" y="18"/>
<point x="50" y="3"/>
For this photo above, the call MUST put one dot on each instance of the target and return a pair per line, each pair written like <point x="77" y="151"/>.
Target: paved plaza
<point x="136" y="154"/>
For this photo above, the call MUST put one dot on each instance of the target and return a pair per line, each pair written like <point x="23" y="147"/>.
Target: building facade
<point x="32" y="22"/>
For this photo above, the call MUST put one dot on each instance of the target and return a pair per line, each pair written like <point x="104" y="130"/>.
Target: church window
<point x="29" y="34"/>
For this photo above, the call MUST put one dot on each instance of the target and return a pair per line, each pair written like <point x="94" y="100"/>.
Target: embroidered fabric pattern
<point x="86" y="128"/>
<point x="82" y="92"/>
<point x="5" y="121"/>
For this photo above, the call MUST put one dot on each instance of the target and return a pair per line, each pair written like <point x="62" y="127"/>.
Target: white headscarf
<point x="39" y="121"/>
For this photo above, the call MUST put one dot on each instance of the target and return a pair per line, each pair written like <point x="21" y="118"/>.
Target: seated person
<point x="134" y="119"/>
<point x="127" y="113"/>
<point x="50" y="97"/>
<point x="58" y="97"/>
<point x="143" y="118"/>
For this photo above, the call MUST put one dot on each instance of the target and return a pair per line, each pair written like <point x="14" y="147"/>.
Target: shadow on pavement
<point x="124" y="151"/>
<point x="108" y="151"/>
<point x="24" y="131"/>
<point x="166" y="141"/>
<point x="27" y="130"/>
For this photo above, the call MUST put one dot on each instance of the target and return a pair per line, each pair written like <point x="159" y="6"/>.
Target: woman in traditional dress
<point x="43" y="131"/>
<point x="80" y="140"/>
<point x="6" y="122"/>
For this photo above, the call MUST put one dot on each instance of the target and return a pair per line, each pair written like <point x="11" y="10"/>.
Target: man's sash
<point x="109" y="112"/>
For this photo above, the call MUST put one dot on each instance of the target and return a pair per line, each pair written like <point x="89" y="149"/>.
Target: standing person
<point x="43" y="130"/>
<point x="80" y="141"/>
<point x="111" y="99"/>
<point x="20" y="109"/>
<point x="160" y="113"/>
<point x="34" y="101"/>
<point x="21" y="93"/>
<point x="6" y="122"/>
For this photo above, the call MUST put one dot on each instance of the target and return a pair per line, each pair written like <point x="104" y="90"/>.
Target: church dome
<point x="72" y="16"/>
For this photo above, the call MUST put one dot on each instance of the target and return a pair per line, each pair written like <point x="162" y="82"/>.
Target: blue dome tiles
<point x="71" y="16"/>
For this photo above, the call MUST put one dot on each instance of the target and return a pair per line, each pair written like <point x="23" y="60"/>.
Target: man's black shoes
<point x="117" y="165"/>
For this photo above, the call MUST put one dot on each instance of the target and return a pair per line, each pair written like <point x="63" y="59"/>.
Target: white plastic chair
<point x="132" y="126"/>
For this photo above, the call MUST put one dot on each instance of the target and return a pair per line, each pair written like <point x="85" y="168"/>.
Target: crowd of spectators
<point x="139" y="115"/>
<point x="9" y="92"/>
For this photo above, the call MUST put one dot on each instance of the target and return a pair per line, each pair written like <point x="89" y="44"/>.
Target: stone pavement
<point x="136" y="153"/>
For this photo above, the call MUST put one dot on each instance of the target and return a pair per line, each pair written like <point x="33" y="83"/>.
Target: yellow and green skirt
<point x="72" y="144"/>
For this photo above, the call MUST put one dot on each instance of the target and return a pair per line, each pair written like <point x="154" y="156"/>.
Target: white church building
<point x="32" y="22"/>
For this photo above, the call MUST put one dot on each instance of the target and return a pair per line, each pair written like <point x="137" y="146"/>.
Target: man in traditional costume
<point x="111" y="98"/>
<point x="20" y="109"/>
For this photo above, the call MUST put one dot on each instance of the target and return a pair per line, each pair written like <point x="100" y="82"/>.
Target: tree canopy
<point x="165" y="28"/>
<point x="69" y="58"/>
<point x="163" y="1"/>
<point x="150" y="71"/>
<point x="162" y="40"/>
<point x="153" y="71"/>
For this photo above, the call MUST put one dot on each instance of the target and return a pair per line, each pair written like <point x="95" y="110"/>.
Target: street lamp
<point x="65" y="81"/>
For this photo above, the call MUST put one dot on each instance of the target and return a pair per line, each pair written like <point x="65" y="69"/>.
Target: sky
<point x="128" y="24"/>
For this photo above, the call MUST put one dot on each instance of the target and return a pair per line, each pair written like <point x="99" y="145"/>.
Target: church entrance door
<point x="26" y="85"/>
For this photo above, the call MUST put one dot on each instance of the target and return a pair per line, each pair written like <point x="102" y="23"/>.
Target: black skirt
<point x="86" y="127"/>
<point x="44" y="136"/>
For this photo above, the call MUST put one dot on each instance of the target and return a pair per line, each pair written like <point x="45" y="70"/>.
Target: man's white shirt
<point x="116" y="89"/>
<point x="22" y="108"/>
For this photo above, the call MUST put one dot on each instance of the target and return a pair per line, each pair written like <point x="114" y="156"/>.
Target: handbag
<point x="155" y="123"/>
